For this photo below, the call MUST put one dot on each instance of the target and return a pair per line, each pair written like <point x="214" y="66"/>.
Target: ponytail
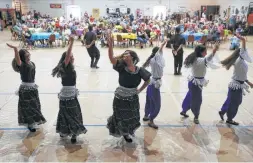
<point x="154" y="51"/>
<point x="21" y="54"/>
<point x="15" y="65"/>
<point x="229" y="61"/>
<point x="190" y="59"/>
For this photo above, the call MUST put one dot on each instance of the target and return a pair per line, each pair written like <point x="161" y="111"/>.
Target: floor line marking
<point x="109" y="92"/>
<point x="161" y="126"/>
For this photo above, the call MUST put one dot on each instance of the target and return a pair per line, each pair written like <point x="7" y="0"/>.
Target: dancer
<point x="90" y="40"/>
<point x="177" y="43"/>
<point x="69" y="121"/>
<point x="126" y="116"/>
<point x="238" y="84"/>
<point x="198" y="64"/>
<point x="153" y="97"/>
<point x="29" y="108"/>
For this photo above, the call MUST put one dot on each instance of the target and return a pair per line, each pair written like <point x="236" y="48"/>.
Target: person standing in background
<point x="89" y="41"/>
<point x="177" y="43"/>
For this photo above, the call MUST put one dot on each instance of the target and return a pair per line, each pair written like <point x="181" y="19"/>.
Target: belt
<point x="241" y="82"/>
<point x="199" y="77"/>
<point x="157" y="78"/>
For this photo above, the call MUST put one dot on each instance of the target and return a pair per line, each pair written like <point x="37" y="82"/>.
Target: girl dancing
<point x="238" y="84"/>
<point x="198" y="62"/>
<point x="126" y="116"/>
<point x="153" y="97"/>
<point x="29" y="108"/>
<point x="69" y="121"/>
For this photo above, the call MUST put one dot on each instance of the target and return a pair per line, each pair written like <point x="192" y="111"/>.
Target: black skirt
<point x="29" y="108"/>
<point x="126" y="116"/>
<point x="70" y="120"/>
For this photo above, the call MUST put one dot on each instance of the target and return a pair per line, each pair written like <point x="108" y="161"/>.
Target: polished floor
<point x="176" y="140"/>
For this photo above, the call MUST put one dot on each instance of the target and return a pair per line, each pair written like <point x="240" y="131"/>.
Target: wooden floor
<point x="177" y="140"/>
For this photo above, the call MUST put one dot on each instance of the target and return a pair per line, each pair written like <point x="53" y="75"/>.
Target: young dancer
<point x="198" y="62"/>
<point x="29" y="108"/>
<point x="153" y="97"/>
<point x="126" y="116"/>
<point x="238" y="84"/>
<point x="69" y="121"/>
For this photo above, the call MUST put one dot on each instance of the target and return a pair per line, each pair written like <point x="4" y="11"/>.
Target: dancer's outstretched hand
<point x="251" y="85"/>
<point x="11" y="46"/>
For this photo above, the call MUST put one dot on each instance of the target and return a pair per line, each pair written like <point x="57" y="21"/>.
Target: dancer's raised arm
<point x="110" y="49"/>
<point x="243" y="41"/>
<point x="17" y="57"/>
<point x="163" y="44"/>
<point x="69" y="51"/>
<point x="210" y="56"/>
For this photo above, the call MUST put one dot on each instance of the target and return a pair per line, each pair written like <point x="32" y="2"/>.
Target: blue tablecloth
<point x="197" y="36"/>
<point x="43" y="36"/>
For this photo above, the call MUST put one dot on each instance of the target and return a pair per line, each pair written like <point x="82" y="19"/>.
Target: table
<point x="43" y="36"/>
<point x="131" y="36"/>
<point x="197" y="36"/>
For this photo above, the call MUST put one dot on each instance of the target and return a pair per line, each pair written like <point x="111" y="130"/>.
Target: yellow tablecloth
<point x="131" y="36"/>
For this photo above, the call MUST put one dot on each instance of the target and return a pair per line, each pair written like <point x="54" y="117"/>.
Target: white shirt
<point x="157" y="63"/>
<point x="240" y="67"/>
<point x="200" y="65"/>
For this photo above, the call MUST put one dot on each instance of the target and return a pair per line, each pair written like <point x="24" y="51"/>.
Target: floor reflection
<point x="152" y="146"/>
<point x="65" y="153"/>
<point x="118" y="150"/>
<point x="30" y="143"/>
<point x="228" y="150"/>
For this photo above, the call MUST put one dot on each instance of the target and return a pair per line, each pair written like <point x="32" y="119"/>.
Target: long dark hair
<point x="230" y="60"/>
<point x="154" y="51"/>
<point x="14" y="64"/>
<point x="60" y="69"/>
<point x="190" y="59"/>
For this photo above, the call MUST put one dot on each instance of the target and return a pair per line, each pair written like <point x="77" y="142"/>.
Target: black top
<point x="89" y="37"/>
<point x="27" y="72"/>
<point x="177" y="40"/>
<point x="130" y="79"/>
<point x="69" y="77"/>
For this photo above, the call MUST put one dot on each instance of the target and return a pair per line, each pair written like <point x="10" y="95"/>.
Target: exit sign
<point x="55" y="5"/>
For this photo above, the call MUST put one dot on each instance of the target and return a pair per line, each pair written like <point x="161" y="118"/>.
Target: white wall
<point x="87" y="5"/>
<point x="3" y="3"/>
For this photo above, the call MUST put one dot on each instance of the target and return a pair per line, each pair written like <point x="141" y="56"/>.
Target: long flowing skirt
<point x="70" y="120"/>
<point x="126" y="116"/>
<point x="29" y="108"/>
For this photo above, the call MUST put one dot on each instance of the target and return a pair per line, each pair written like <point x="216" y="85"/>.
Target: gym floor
<point x="176" y="140"/>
